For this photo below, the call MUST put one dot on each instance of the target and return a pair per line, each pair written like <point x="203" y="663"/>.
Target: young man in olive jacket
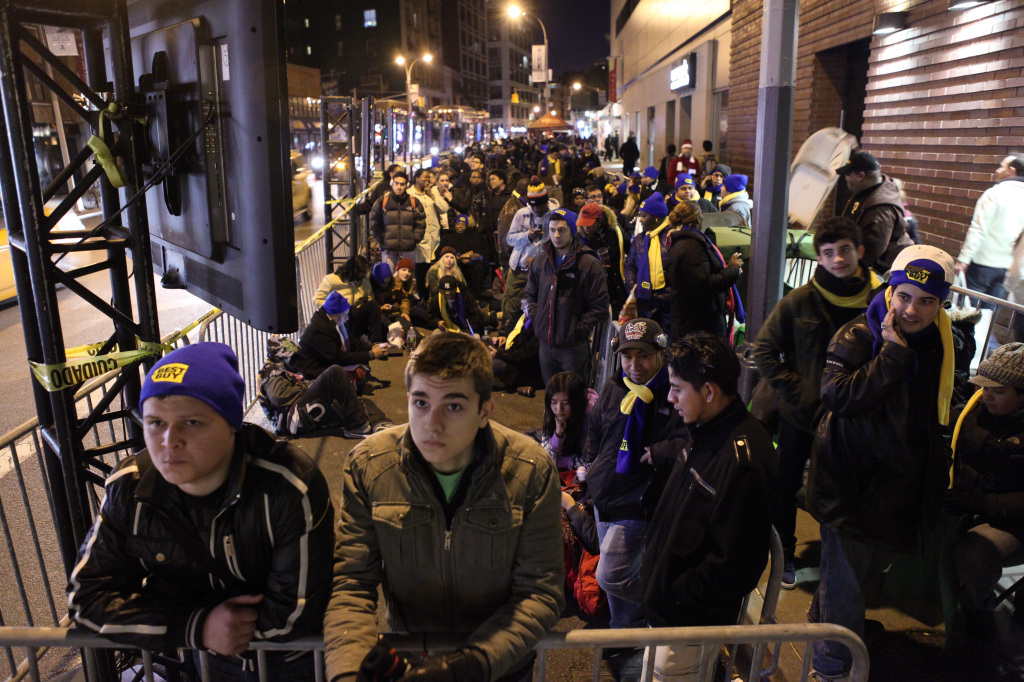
<point x="457" y="517"/>
<point x="707" y="542"/>
<point x="790" y="355"/>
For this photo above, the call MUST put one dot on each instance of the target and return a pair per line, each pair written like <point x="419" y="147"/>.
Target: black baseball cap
<point x="859" y="162"/>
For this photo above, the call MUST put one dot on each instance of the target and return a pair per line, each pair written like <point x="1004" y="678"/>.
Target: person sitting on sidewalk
<point x="213" y="536"/>
<point x="455" y="310"/>
<point x="326" y="341"/>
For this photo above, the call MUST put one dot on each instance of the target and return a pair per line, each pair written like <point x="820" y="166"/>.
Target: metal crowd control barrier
<point x="714" y="636"/>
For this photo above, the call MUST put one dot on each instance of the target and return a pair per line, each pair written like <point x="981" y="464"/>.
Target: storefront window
<point x="721" y="117"/>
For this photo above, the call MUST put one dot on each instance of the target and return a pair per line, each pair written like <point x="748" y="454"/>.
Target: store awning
<point x="549" y="122"/>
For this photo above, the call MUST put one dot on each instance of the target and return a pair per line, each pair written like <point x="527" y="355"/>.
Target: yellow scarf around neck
<point x="654" y="258"/>
<point x="956" y="431"/>
<point x="515" y="331"/>
<point x="442" y="303"/>
<point x="635" y="391"/>
<point x="858" y="300"/>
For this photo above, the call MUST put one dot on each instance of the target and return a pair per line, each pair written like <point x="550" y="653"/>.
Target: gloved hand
<point x="964" y="502"/>
<point x="382" y="664"/>
<point x="462" y="665"/>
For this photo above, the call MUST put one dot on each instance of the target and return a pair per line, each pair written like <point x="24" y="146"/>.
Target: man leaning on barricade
<point x="458" y="519"/>
<point x="215" y="535"/>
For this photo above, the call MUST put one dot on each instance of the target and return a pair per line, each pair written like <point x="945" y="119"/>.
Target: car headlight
<point x="317" y="163"/>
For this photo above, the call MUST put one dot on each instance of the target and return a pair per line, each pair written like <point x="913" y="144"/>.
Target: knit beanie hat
<point x="462" y="219"/>
<point x="1005" y="367"/>
<point x="449" y="249"/>
<point x="927" y="267"/>
<point x="405" y="263"/>
<point x="651" y="172"/>
<point x="381" y="273"/>
<point x="735" y="183"/>
<point x="536" y="193"/>
<point x="635" y="175"/>
<point x="206" y="371"/>
<point x="723" y="169"/>
<point x="684" y="179"/>
<point x="654" y="205"/>
<point x="335" y="304"/>
<point x="566" y="215"/>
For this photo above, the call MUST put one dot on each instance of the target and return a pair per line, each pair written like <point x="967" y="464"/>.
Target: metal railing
<point x="38" y="638"/>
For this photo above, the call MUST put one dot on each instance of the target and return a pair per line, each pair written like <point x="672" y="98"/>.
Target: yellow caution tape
<point x="63" y="375"/>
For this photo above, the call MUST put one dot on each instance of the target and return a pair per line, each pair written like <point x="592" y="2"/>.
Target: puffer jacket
<point x="879" y="213"/>
<point x="137" y="584"/>
<point x="707" y="543"/>
<point x="566" y="303"/>
<point x="623" y="497"/>
<point x="493" y="569"/>
<point x="877" y="473"/>
<point x="700" y="282"/>
<point x="738" y="203"/>
<point x="398" y="223"/>
<point x="790" y="353"/>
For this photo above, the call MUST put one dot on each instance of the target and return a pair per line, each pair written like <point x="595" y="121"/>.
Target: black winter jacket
<point x="990" y="461"/>
<point x="621" y="497"/>
<point x="707" y="543"/>
<point x="878" y="470"/>
<point x="566" y="303"/>
<point x="321" y="346"/>
<point x="398" y="223"/>
<point x="274" y="534"/>
<point x="699" y="284"/>
<point x="790" y="353"/>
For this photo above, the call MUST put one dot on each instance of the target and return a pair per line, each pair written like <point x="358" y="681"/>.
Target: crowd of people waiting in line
<point x="219" y="534"/>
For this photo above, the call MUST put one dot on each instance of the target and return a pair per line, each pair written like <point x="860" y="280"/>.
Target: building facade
<point x="940" y="103"/>
<point x="670" y="66"/>
<point x="508" y="64"/>
<point x="464" y="35"/>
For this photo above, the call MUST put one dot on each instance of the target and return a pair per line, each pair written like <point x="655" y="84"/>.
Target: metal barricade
<point x="711" y="636"/>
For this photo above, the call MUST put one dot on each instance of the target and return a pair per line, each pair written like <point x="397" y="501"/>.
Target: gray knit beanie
<point x="1005" y="367"/>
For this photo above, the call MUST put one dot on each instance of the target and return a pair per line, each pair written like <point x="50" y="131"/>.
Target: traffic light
<point x="515" y="97"/>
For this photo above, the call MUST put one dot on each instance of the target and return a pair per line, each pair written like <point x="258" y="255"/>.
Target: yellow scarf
<point x="858" y="300"/>
<point x="956" y="431"/>
<point x="622" y="254"/>
<point x="515" y="332"/>
<point x="442" y="304"/>
<point x="946" y="373"/>
<point x="635" y="391"/>
<point x="654" y="258"/>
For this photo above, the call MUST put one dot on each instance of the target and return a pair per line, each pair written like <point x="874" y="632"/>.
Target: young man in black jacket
<point x="632" y="416"/>
<point x="790" y="355"/>
<point x="215" y="535"/>
<point x="707" y="542"/>
<point x="566" y="297"/>
<point x="325" y="341"/>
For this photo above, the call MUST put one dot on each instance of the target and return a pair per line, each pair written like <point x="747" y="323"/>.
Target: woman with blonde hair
<point x="702" y="281"/>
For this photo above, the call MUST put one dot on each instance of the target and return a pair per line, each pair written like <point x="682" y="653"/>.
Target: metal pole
<point x="771" y="159"/>
<point x="408" y="104"/>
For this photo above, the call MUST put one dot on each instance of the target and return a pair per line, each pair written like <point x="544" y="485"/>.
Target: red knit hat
<point x="404" y="263"/>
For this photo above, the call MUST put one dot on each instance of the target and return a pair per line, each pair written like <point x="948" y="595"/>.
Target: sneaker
<point x="789" y="576"/>
<point x="359" y="432"/>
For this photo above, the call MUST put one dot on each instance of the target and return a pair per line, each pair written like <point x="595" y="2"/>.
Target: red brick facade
<point x="944" y="104"/>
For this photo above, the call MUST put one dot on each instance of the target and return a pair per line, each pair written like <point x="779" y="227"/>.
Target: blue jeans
<point x="279" y="668"/>
<point x="618" y="569"/>
<point x="555" y="359"/>
<point x="986" y="280"/>
<point x="846" y="565"/>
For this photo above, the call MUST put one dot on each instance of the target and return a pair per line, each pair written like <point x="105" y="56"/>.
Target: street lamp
<point x="515" y="12"/>
<point x="402" y="61"/>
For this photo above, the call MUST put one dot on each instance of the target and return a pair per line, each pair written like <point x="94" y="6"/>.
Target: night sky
<point x="575" y="35"/>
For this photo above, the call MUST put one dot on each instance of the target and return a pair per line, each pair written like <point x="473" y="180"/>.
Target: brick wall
<point x="944" y="104"/>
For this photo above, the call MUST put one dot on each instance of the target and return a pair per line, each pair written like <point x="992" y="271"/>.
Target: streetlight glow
<point x="514" y="11"/>
<point x="428" y="57"/>
<point x="399" y="60"/>
<point x="536" y="109"/>
<point x="576" y="86"/>
<point x="554" y="113"/>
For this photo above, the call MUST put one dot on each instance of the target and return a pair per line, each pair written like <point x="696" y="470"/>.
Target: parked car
<point x="302" y="194"/>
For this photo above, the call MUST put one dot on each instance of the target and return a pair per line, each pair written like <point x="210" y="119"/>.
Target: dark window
<point x="624" y="14"/>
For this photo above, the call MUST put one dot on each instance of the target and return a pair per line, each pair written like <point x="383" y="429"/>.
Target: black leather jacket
<point x="321" y="346"/>
<point x="136" y="583"/>
<point x="878" y="469"/>
<point x="707" y="543"/>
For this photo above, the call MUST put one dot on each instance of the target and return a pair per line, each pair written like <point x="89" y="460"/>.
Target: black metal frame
<point x="346" y="113"/>
<point x="70" y="465"/>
